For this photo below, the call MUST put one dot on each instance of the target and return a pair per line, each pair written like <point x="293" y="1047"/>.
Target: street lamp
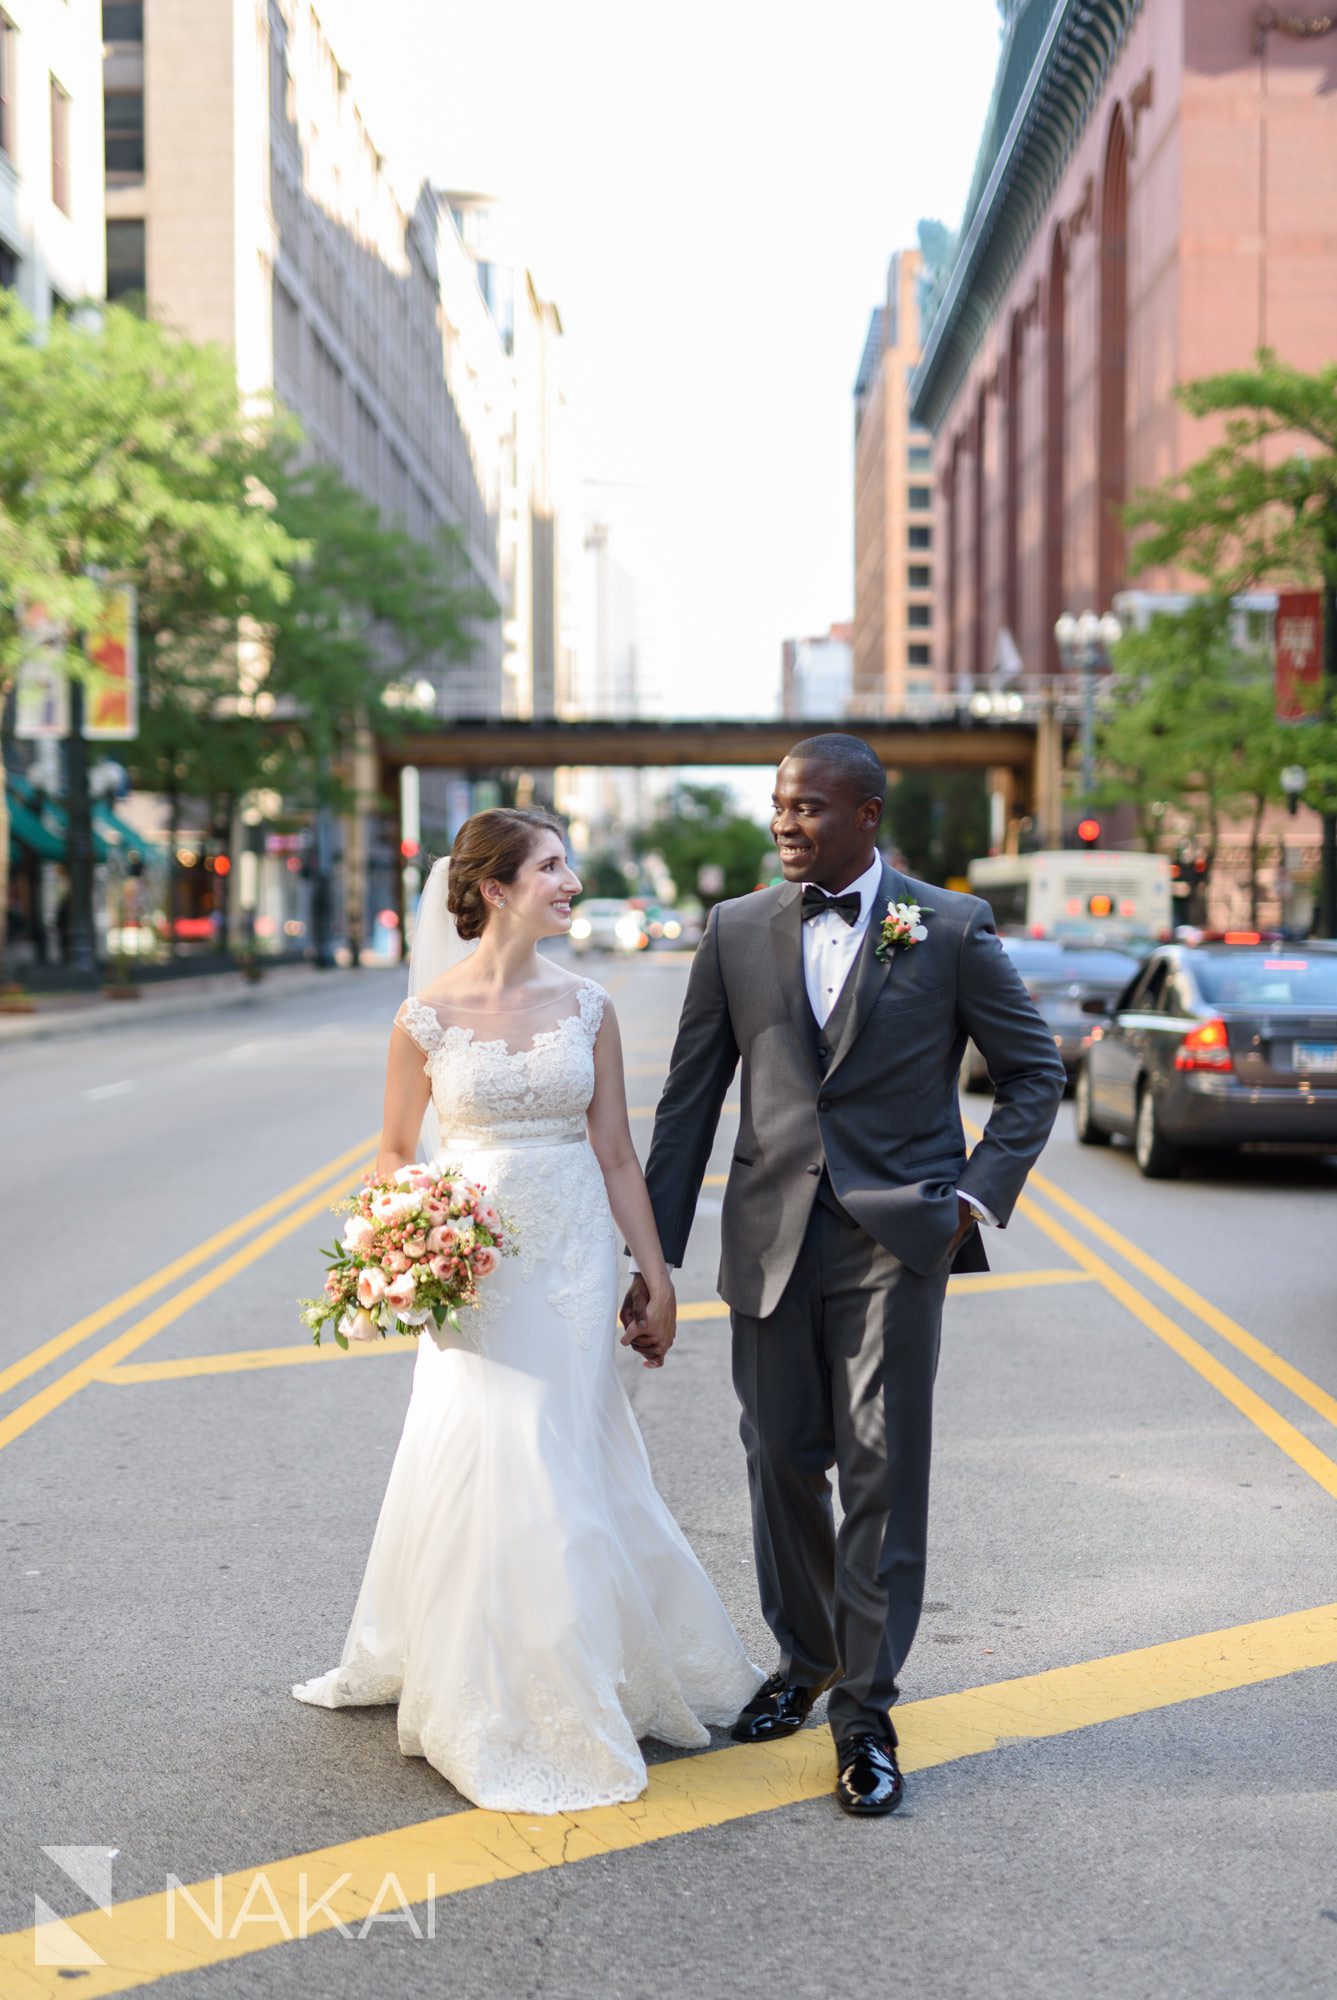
<point x="1085" y="643"/>
<point x="1294" y="778"/>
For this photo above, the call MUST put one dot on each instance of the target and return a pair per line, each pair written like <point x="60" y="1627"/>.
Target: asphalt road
<point x="1136" y="1445"/>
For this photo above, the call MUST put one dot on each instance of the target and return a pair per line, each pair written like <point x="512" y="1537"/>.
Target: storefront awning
<point x="27" y="831"/>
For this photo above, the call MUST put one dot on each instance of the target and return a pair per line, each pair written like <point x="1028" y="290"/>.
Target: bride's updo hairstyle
<point x="491" y="847"/>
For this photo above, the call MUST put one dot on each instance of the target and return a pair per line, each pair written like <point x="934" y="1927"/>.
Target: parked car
<point x="1215" y="1045"/>
<point x="1060" y="977"/>
<point x="607" y="923"/>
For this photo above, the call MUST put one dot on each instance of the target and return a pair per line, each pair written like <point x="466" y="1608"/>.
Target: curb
<point x="103" y="1017"/>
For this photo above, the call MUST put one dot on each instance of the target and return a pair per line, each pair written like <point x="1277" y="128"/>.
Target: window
<point x="126" y="259"/>
<point x="122" y="24"/>
<point x="60" y="147"/>
<point x="920" y="656"/>
<point x="8" y="59"/>
<point x="921" y="499"/>
<point x="921" y="576"/>
<point x="921" y="538"/>
<point x="919" y="615"/>
<point x="124" y="115"/>
<point x="9" y="267"/>
<point x="919" y="458"/>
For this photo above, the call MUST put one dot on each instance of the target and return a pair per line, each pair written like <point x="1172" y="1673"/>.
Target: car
<point x="607" y="923"/>
<point x="1060" y="975"/>
<point x="672" y="930"/>
<point x="1214" y="1046"/>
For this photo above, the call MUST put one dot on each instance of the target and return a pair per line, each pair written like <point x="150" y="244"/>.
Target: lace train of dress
<point x="529" y="1600"/>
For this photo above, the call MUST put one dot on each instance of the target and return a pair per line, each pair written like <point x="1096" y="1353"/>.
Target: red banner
<point x="1299" y="673"/>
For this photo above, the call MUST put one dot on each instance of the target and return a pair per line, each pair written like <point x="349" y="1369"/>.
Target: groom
<point x="849" y="1199"/>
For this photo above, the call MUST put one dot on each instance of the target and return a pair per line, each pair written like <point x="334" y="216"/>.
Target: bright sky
<point x="710" y="192"/>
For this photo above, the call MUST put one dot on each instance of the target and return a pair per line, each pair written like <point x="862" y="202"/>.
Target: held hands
<point x="649" y="1321"/>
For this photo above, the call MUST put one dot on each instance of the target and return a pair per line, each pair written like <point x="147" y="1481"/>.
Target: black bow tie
<point x="816" y="902"/>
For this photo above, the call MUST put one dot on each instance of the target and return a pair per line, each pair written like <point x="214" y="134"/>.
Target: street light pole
<point x="1086" y="642"/>
<point x="79" y="841"/>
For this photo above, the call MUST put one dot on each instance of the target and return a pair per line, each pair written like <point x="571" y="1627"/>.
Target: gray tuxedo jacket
<point x="872" y="1096"/>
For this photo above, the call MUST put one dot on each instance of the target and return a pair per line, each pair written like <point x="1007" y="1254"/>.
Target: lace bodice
<point x="488" y="1092"/>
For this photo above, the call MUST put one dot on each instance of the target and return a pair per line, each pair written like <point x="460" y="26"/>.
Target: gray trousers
<point x="841" y="1374"/>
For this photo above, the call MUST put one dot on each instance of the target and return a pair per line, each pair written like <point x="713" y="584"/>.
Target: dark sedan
<point x="1060" y="977"/>
<point x="1215" y="1046"/>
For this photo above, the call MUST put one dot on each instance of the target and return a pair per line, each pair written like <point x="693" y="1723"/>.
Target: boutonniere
<point x="902" y="925"/>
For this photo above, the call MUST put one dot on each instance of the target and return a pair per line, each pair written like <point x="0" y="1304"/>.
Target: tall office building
<point x="248" y="200"/>
<point x="51" y="242"/>
<point x="896" y="663"/>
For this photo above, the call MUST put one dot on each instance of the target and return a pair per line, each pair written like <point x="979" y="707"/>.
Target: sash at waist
<point x="491" y="1142"/>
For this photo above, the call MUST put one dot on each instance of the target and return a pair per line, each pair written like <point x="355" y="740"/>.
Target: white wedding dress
<point x="529" y="1600"/>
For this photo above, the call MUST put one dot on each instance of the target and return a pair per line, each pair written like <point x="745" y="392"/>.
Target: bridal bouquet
<point x="415" y="1247"/>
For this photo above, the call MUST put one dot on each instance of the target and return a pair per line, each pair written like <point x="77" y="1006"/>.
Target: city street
<point x="1117" y="1722"/>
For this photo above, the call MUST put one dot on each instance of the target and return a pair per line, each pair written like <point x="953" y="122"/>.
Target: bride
<point x="529" y="1601"/>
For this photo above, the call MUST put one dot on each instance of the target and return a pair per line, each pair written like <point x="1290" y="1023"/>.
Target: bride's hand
<point x="651" y="1326"/>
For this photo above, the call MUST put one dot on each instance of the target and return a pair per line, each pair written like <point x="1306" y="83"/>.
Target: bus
<point x="1077" y="893"/>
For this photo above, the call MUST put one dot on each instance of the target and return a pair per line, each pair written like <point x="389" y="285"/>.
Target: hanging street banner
<point x="111" y="692"/>
<point x="1299" y="668"/>
<point x="111" y="702"/>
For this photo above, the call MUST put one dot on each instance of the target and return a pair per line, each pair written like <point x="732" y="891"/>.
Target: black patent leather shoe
<point x="778" y="1708"/>
<point x="870" y="1781"/>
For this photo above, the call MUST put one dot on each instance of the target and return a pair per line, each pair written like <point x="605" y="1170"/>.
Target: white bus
<point x="1077" y="893"/>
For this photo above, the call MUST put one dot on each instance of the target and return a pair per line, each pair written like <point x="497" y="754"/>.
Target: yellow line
<point x="248" y="1358"/>
<point x="1015" y="1281"/>
<point x="1274" y="1426"/>
<point x="649" y="1110"/>
<point x="94" y="1365"/>
<point x="232" y="1916"/>
<point x="93" y="1322"/>
<point x="1229" y="1329"/>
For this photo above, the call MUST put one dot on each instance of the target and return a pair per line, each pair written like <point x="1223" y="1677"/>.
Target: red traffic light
<point x="409" y="849"/>
<point x="1088" y="831"/>
<point x="222" y="866"/>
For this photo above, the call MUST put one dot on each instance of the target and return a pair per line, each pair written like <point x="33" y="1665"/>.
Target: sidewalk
<point x="60" y="1014"/>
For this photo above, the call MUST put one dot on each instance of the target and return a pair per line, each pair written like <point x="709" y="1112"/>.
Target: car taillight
<point x="1205" y="1047"/>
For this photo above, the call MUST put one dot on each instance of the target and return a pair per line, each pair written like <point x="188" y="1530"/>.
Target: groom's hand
<point x="648" y="1326"/>
<point x="636" y="1301"/>
<point x="966" y="1219"/>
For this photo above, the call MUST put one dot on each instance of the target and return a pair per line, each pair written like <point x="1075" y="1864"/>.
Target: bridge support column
<point x="1004" y="825"/>
<point x="1047" y="783"/>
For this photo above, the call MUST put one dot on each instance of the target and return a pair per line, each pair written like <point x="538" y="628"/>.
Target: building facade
<point x="896" y="663"/>
<point x="249" y="203"/>
<point x="817" y="676"/>
<point x="1154" y="201"/>
<point x="51" y="238"/>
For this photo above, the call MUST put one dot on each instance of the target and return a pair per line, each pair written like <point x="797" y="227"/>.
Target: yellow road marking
<point x="93" y="1322"/>
<point x="248" y="1358"/>
<point x="92" y="1366"/>
<point x="1262" y="1356"/>
<point x="243" y="1360"/>
<point x="649" y="1110"/>
<point x="248" y="1910"/>
<point x="1251" y="1405"/>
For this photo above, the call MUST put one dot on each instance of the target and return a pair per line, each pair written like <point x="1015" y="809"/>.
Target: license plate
<point x="1316" y="1056"/>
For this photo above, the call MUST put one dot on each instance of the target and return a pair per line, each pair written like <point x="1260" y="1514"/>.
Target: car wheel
<point x="1158" y="1159"/>
<point x="1088" y="1132"/>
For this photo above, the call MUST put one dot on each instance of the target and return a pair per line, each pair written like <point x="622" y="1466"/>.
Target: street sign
<point x="1299" y="668"/>
<point x="112" y="702"/>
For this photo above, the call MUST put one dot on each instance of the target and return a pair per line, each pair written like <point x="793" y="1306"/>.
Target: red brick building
<point x="1155" y="199"/>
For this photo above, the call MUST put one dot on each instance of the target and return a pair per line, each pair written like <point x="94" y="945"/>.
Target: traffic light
<point x="408" y="850"/>
<point x="1088" y="832"/>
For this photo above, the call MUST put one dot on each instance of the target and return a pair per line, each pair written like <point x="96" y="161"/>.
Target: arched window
<point x="1055" y="400"/>
<point x="1112" y="437"/>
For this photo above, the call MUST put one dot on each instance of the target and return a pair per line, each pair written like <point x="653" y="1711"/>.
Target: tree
<point x="1261" y="507"/>
<point x="1190" y="723"/>
<point x="939" y="821"/>
<point x="125" y="454"/>
<point x="700" y="829"/>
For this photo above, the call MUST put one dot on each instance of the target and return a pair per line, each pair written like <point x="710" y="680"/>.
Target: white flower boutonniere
<point x="902" y="925"/>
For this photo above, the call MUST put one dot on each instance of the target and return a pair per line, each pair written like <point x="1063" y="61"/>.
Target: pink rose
<point x="434" y="1211"/>
<point x="484" y="1260"/>
<point x="441" y="1240"/>
<point x="462" y="1194"/>
<point x="415" y="1245"/>
<point x="394" y="1261"/>
<point x="441" y="1267"/>
<point x="358" y="1233"/>
<point x="403" y="1292"/>
<point x="371" y="1287"/>
<point x="488" y="1216"/>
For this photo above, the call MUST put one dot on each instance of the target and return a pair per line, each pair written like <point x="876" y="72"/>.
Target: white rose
<point x="359" y="1326"/>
